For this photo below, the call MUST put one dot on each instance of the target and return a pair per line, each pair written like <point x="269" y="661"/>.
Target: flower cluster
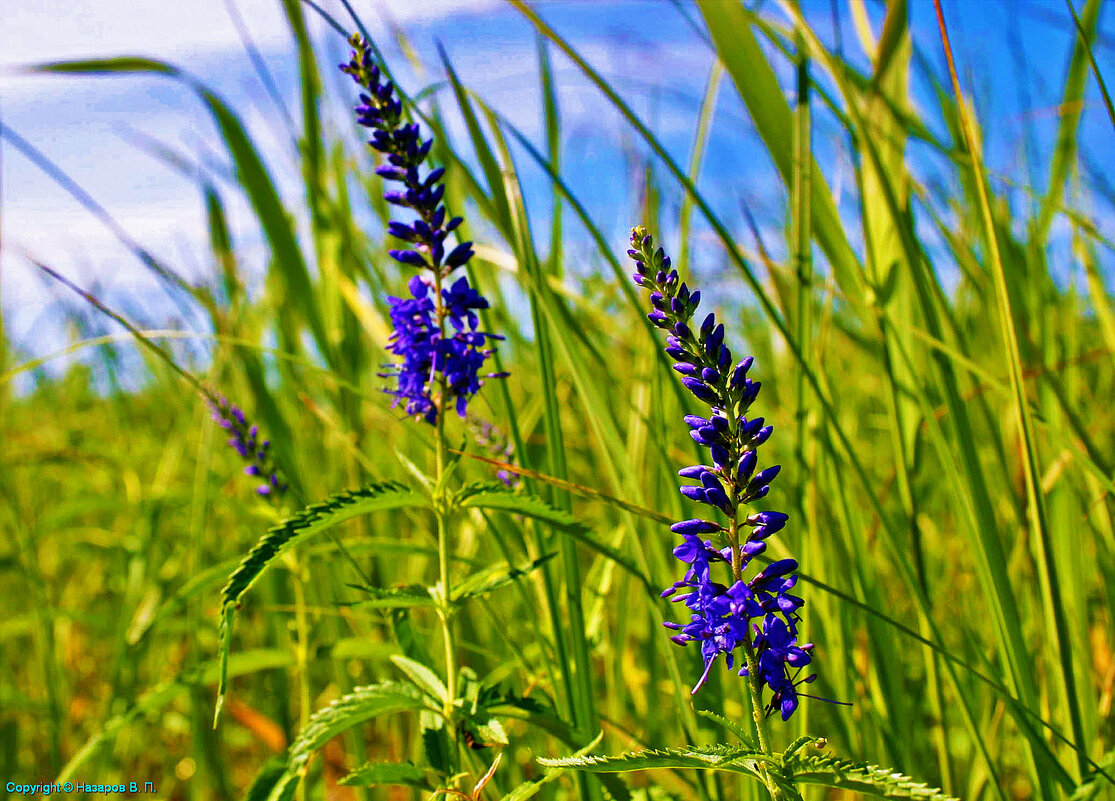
<point x="496" y="443"/>
<point x="425" y="350"/>
<point x="245" y="439"/>
<point x="758" y="613"/>
<point x="432" y="355"/>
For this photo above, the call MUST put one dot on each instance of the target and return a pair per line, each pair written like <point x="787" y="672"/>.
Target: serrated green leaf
<point x="311" y="521"/>
<point x="705" y="757"/>
<point x="359" y="706"/>
<point x="406" y="597"/>
<point x="494" y="577"/>
<point x="362" y="704"/>
<point x="499" y="497"/>
<point x="372" y="774"/>
<point x="495" y="495"/>
<point x="422" y="677"/>
<point x="830" y="771"/>
<point x="529" y="789"/>
<point x="821" y="770"/>
<point x="792" y="749"/>
<point x="486" y="732"/>
<point x="735" y="729"/>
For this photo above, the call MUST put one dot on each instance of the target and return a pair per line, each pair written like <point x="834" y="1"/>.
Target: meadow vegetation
<point x="934" y="364"/>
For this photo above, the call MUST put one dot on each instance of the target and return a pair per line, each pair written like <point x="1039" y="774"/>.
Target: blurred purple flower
<point x="244" y="438"/>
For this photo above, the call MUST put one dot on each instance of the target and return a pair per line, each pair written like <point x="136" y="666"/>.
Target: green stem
<point x="446" y="614"/>
<point x="445" y="610"/>
<point x="754" y="683"/>
<point x="762" y="729"/>
<point x="301" y="651"/>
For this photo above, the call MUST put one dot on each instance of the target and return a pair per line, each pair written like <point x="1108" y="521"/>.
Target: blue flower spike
<point x="244" y="439"/>
<point x="436" y="339"/>
<point x="756" y="615"/>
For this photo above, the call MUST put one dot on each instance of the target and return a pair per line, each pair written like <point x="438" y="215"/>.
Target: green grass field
<point x="946" y="452"/>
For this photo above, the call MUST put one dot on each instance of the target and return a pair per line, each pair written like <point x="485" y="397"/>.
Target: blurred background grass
<point x="810" y="174"/>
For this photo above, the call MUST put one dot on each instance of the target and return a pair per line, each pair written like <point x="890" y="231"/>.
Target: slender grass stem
<point x="1031" y="469"/>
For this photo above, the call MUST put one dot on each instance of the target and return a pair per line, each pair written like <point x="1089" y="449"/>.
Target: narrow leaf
<point x="829" y="771"/>
<point x="311" y="521"/>
<point x="422" y="677"/>
<point x="406" y="597"/>
<point x="372" y="774"/>
<point x="492" y="578"/>
<point x="361" y="705"/>
<point x="697" y="756"/>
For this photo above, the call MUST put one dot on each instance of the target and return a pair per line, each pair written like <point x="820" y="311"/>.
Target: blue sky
<point x="1013" y="56"/>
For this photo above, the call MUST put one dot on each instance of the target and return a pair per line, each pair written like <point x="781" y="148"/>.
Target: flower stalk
<point x="436" y="338"/>
<point x="445" y="611"/>
<point x="755" y="615"/>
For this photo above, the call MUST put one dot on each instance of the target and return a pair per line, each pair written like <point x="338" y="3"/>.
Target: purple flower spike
<point x="245" y="441"/>
<point x="499" y="445"/>
<point x="441" y="351"/>
<point x="757" y="614"/>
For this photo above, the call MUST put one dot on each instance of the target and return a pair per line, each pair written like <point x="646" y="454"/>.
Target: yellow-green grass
<point x="946" y="459"/>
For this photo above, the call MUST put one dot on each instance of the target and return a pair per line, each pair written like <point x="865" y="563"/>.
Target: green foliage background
<point x="949" y="476"/>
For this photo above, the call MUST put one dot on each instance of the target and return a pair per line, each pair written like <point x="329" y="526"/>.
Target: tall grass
<point x="946" y="450"/>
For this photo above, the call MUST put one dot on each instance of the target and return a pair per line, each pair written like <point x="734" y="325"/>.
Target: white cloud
<point x="75" y="121"/>
<point x="45" y="30"/>
<point x="33" y="31"/>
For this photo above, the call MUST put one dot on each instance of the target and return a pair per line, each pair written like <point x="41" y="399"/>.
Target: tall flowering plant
<point x="740" y="615"/>
<point x="440" y="361"/>
<point x="439" y="348"/>
<point x="748" y="615"/>
<point x="753" y="615"/>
